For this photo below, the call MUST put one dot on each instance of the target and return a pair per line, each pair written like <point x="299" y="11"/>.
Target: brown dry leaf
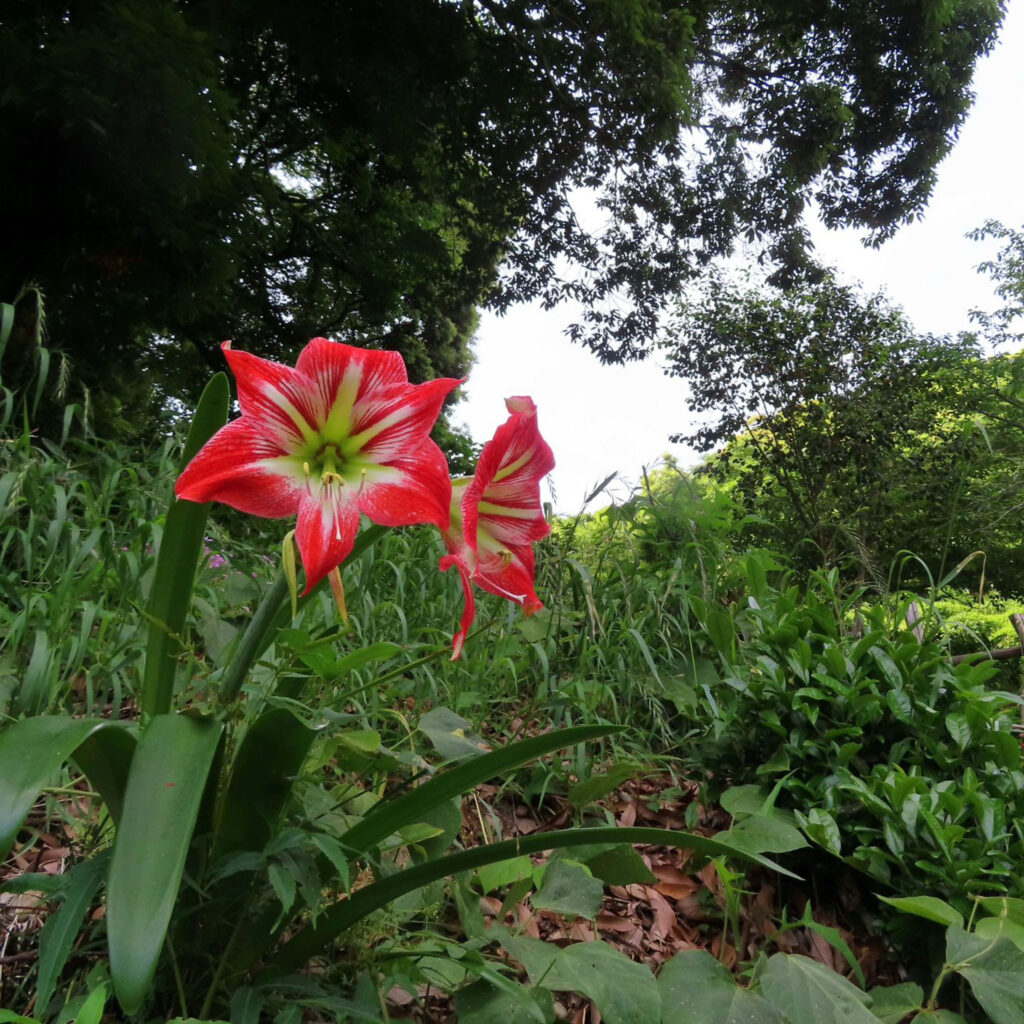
<point x="673" y="882"/>
<point x="613" y="923"/>
<point x="664" y="914"/>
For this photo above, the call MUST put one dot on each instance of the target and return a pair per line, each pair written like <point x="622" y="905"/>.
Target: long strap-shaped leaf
<point x="165" y="788"/>
<point x="333" y="921"/>
<point x="389" y="816"/>
<point x="176" y="563"/>
<point x="31" y="752"/>
<point x="268" y="759"/>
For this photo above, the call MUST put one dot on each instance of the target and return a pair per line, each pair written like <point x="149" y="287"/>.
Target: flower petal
<point x="236" y="467"/>
<point x="509" y="575"/>
<point x="504" y="496"/>
<point x="469" y="606"/>
<point x="276" y="397"/>
<point x="415" y="489"/>
<point x="325" y="532"/>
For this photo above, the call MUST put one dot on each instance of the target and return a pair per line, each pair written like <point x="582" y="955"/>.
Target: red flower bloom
<point x="342" y="433"/>
<point x="496" y="516"/>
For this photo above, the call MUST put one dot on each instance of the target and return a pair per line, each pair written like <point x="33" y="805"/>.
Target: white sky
<point x="603" y="419"/>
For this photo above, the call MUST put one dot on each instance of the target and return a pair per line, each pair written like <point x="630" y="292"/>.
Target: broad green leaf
<point x="624" y="991"/>
<point x="105" y="756"/>
<point x="451" y="734"/>
<point x="180" y="548"/>
<point x="805" y="990"/>
<point x="568" y="888"/>
<point x="996" y="927"/>
<point x="762" y="833"/>
<point x="620" y="866"/>
<point x="9" y="1017"/>
<point x="938" y="1017"/>
<point x="995" y="971"/>
<point x="822" y="828"/>
<point x="483" y="1003"/>
<point x="1004" y="906"/>
<point x="165" y="788"/>
<point x="31" y="753"/>
<point x="63" y="925"/>
<point x="696" y="989"/>
<point x="742" y="801"/>
<point x="893" y="1003"/>
<point x="91" y="1011"/>
<point x="599" y="786"/>
<point x="331" y="922"/>
<point x="929" y="907"/>
<point x="268" y="759"/>
<point x="504" y="872"/>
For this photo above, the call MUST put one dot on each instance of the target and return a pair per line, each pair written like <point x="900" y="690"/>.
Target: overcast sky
<point x="600" y="419"/>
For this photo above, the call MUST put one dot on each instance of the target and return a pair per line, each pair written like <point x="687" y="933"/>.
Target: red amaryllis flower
<point x="342" y="433"/>
<point x="496" y="516"/>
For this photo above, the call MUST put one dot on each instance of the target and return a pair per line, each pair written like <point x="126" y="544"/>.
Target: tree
<point x="194" y="169"/>
<point x="848" y="436"/>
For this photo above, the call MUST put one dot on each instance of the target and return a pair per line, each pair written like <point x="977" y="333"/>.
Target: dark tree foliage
<point x="181" y="171"/>
<point x="849" y="437"/>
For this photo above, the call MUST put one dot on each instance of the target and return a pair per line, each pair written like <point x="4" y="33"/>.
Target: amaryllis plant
<point x="212" y="789"/>
<point x="344" y="433"/>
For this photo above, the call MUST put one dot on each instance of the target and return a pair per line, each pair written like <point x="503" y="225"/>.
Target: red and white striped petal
<point x="504" y="497"/>
<point x="469" y="604"/>
<point x="387" y="423"/>
<point x="410" y="489"/>
<point x="326" y="530"/>
<point x="242" y="467"/>
<point x="275" y="399"/>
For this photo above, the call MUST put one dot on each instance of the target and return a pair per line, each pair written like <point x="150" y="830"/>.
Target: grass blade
<point x="176" y="564"/>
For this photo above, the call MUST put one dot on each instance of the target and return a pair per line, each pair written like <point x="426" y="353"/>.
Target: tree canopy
<point x="189" y="170"/>
<point x="848" y="436"/>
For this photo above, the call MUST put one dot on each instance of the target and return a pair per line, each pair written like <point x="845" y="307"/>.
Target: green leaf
<point x="569" y="888"/>
<point x="822" y="828"/>
<point x="165" y="788"/>
<point x="9" y="1017"/>
<point x="762" y="833"/>
<point x="599" y="786"/>
<point x="805" y="990"/>
<point x="1004" y="906"/>
<point x="31" y="753"/>
<point x="928" y="907"/>
<point x="91" y="1011"/>
<point x="391" y="815"/>
<point x="105" y="756"/>
<point x="995" y="971"/>
<point x="483" y="1003"/>
<point x="180" y="548"/>
<point x="894" y="1002"/>
<point x="624" y="991"/>
<point x="62" y="926"/>
<point x="246" y="1004"/>
<point x="504" y="872"/>
<point x="620" y="866"/>
<point x="451" y="734"/>
<point x="269" y="758"/>
<point x="1000" y="927"/>
<point x="331" y="922"/>
<point x="959" y="729"/>
<point x="696" y="989"/>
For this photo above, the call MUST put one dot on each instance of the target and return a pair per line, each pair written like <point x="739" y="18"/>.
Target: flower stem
<point x="253" y="640"/>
